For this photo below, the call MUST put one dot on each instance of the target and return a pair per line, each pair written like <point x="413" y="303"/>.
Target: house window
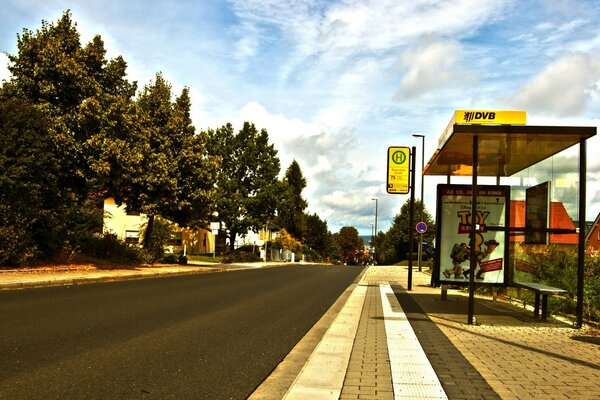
<point x="176" y="239"/>
<point x="132" y="237"/>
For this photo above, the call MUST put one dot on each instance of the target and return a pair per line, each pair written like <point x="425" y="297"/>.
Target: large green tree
<point x="248" y="191"/>
<point x="177" y="176"/>
<point x="349" y="244"/>
<point x="290" y="213"/>
<point x="29" y="194"/>
<point x="316" y="234"/>
<point x="394" y="245"/>
<point x="86" y="103"/>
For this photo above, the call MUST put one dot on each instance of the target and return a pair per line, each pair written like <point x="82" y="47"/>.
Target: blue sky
<point x="336" y="83"/>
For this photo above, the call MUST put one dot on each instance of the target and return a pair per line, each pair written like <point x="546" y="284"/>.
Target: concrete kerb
<point x="41" y="280"/>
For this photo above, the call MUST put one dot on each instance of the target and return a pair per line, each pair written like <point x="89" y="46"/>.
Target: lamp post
<point x="374" y="249"/>
<point x="419" y="135"/>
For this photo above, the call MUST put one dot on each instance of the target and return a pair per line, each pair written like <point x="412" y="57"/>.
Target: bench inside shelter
<point x="542" y="291"/>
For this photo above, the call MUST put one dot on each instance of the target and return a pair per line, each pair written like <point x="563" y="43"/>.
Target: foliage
<point x="393" y="246"/>
<point x="240" y="256"/>
<point x="310" y="254"/>
<point x="557" y="266"/>
<point x="88" y="102"/>
<point x="75" y="122"/>
<point x="30" y="196"/>
<point x="109" y="247"/>
<point x="248" y="191"/>
<point x="286" y="241"/>
<point x="162" y="232"/>
<point x="177" y="181"/>
<point x="290" y="213"/>
<point x="316" y="235"/>
<point x="170" y="259"/>
<point x="349" y="244"/>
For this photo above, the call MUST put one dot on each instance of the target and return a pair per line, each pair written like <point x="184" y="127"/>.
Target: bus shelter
<point x="509" y="212"/>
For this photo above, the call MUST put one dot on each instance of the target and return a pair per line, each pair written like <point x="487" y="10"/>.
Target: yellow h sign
<point x="398" y="172"/>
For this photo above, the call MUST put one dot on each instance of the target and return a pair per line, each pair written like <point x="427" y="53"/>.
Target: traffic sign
<point x="398" y="170"/>
<point x="421" y="227"/>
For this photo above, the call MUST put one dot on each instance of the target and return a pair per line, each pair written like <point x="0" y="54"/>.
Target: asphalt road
<point x="210" y="336"/>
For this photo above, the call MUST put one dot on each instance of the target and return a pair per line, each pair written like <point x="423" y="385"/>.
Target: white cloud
<point x="564" y="87"/>
<point x="433" y="64"/>
<point x="4" y="72"/>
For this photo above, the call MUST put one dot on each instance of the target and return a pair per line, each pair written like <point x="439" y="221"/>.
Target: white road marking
<point x="412" y="374"/>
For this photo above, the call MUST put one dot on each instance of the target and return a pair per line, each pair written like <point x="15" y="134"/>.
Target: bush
<point x="240" y="256"/>
<point x="109" y="247"/>
<point x="170" y="259"/>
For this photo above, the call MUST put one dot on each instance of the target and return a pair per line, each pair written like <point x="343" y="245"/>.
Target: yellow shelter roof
<point x="503" y="149"/>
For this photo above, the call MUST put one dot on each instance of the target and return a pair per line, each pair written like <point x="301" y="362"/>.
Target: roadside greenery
<point x="75" y="131"/>
<point x="557" y="266"/>
<point x="393" y="245"/>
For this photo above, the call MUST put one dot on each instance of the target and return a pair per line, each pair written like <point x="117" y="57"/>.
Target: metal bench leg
<point x="544" y="307"/>
<point x="536" y="310"/>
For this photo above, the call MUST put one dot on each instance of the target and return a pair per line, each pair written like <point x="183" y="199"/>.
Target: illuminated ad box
<point x="453" y="244"/>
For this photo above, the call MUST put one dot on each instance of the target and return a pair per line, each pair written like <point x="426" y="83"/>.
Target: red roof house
<point x="592" y="239"/>
<point x="559" y="219"/>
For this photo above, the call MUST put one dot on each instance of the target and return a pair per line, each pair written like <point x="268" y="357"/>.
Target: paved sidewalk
<point x="75" y="275"/>
<point x="506" y="355"/>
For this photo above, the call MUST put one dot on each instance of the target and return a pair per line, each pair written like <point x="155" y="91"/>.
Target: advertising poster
<point x="454" y="219"/>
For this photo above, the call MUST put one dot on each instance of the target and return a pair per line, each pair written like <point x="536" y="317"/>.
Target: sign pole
<point x="411" y="236"/>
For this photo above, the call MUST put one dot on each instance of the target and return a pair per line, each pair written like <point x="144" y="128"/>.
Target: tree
<point x="349" y="244"/>
<point x="29" y="193"/>
<point x="316" y="235"/>
<point x="286" y="241"/>
<point x="290" y="213"/>
<point x="177" y="179"/>
<point x="397" y="236"/>
<point x="248" y="191"/>
<point x="86" y="103"/>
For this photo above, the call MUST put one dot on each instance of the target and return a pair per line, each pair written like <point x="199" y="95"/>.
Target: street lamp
<point x="417" y="135"/>
<point x="374" y="249"/>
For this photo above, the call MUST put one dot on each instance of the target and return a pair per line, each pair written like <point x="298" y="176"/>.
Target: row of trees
<point x="393" y="246"/>
<point x="74" y="131"/>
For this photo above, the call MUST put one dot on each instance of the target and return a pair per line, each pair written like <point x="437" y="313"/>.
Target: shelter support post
<point x="473" y="257"/>
<point x="581" y="242"/>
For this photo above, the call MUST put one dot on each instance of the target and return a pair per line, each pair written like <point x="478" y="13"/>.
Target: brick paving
<point x="369" y="371"/>
<point x="507" y="354"/>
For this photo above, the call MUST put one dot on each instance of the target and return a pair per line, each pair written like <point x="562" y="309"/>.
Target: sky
<point x="336" y="83"/>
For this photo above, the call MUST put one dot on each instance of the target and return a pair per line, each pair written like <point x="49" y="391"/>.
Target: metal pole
<point x="374" y="249"/>
<point x="473" y="235"/>
<point x="581" y="245"/>
<point x="422" y="200"/>
<point x="411" y="227"/>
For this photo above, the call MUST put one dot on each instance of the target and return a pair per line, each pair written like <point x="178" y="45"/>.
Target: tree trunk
<point x="148" y="233"/>
<point x="232" y="236"/>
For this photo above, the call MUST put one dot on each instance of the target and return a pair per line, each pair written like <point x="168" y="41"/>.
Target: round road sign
<point x="421" y="227"/>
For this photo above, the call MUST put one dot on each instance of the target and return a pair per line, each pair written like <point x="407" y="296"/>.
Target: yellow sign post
<point x="398" y="171"/>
